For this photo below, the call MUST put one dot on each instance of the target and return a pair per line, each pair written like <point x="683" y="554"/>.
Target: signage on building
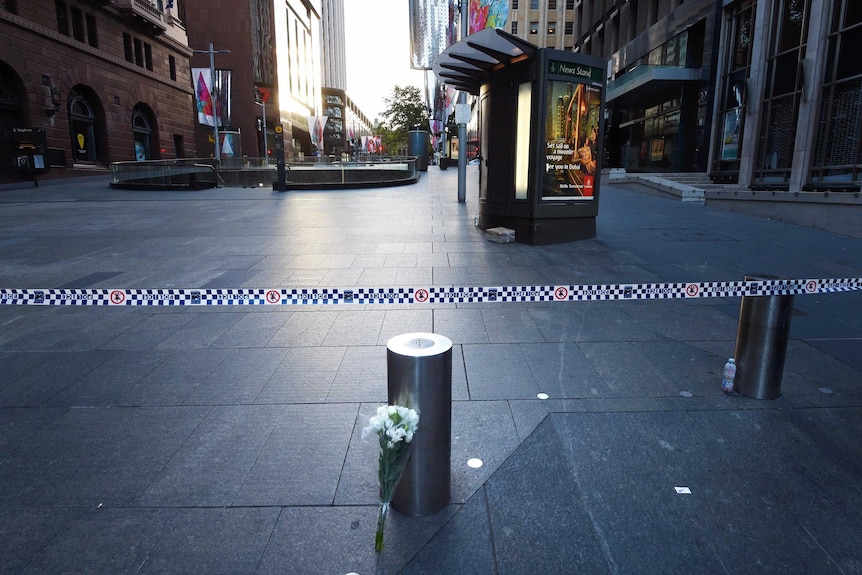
<point x="577" y="72"/>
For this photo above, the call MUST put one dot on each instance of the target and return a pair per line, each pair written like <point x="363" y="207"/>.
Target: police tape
<point x="425" y="295"/>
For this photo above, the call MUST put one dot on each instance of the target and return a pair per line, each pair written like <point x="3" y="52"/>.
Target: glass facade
<point x="732" y="92"/>
<point x="783" y="92"/>
<point x="838" y="154"/>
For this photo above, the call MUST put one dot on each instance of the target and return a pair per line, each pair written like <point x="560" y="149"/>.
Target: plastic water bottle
<point x="729" y="374"/>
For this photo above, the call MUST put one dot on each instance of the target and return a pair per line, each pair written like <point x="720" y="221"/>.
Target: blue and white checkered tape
<point x="425" y="295"/>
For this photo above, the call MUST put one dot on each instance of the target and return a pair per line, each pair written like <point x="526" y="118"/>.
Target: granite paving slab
<point x="212" y="439"/>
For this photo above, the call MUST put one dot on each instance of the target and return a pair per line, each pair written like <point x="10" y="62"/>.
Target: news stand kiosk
<point x="541" y="133"/>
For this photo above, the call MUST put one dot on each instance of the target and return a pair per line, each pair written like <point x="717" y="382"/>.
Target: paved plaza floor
<point x="227" y="439"/>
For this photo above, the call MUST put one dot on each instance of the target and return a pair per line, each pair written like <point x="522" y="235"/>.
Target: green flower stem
<point x="382" y="512"/>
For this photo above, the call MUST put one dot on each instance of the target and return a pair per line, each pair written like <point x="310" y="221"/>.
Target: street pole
<point x="214" y="95"/>
<point x="265" y="155"/>
<point x="462" y="127"/>
<point x="215" y="104"/>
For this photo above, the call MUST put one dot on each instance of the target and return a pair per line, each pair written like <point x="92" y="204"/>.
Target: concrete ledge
<point x="655" y="185"/>
<point x="836" y="212"/>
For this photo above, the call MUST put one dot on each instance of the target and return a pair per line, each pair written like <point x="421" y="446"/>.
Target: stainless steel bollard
<point x="420" y="377"/>
<point x="761" y="343"/>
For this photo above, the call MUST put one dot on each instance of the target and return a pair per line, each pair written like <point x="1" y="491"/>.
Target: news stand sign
<point x="572" y="127"/>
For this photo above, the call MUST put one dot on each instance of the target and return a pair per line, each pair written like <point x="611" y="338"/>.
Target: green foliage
<point x="405" y="111"/>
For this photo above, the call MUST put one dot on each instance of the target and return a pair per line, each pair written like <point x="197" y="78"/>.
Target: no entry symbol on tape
<point x="273" y="296"/>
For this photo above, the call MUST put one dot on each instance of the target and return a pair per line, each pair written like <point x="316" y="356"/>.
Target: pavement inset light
<point x="475" y="462"/>
<point x="542" y="395"/>
<point x="686" y="394"/>
<point x="825" y="390"/>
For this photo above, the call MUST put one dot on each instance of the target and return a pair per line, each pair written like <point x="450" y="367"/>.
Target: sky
<point x="377" y="41"/>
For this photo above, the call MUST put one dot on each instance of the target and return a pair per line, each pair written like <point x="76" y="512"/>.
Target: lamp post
<point x="212" y="54"/>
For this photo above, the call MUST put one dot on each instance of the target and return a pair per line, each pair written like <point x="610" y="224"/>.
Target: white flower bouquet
<point x="395" y="427"/>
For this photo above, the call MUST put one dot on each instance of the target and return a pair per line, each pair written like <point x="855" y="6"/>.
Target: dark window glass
<point x="852" y="13"/>
<point x="139" y="53"/>
<point x="62" y="17"/>
<point x="92" y="34"/>
<point x="742" y="41"/>
<point x="515" y="28"/>
<point x="552" y="4"/>
<point x="77" y="24"/>
<point x="570" y="27"/>
<point x="792" y="19"/>
<point x="127" y="47"/>
<point x="12" y="6"/>
<point x="514" y="4"/>
<point x="849" y="60"/>
<point x="570" y="4"/>
<point x="148" y="56"/>
<point x="784" y="71"/>
<point x="534" y="4"/>
<point x="172" y="62"/>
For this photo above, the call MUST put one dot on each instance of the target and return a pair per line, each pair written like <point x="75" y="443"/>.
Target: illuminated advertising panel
<point x="572" y="126"/>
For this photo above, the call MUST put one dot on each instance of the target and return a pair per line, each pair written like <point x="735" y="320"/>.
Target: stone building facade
<point x="106" y="80"/>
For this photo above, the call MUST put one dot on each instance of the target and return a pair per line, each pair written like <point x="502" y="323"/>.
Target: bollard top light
<point x="419" y="344"/>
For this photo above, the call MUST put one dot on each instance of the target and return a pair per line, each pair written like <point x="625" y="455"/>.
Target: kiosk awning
<point x="464" y="65"/>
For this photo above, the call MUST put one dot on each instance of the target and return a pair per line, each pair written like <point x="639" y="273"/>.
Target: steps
<point x="685" y="186"/>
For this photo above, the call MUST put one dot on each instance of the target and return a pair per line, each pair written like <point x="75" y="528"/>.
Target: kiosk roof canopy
<point x="464" y="65"/>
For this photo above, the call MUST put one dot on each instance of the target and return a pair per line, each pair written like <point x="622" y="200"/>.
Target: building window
<point x="77" y="24"/>
<point x="552" y="28"/>
<point x="534" y="4"/>
<point x="179" y="147"/>
<point x="142" y="132"/>
<point x="570" y="4"/>
<point x="783" y="92"/>
<point x="569" y="28"/>
<point x="82" y="128"/>
<point x="515" y="28"/>
<point x="552" y="4"/>
<point x="62" y="17"/>
<point x="514" y="4"/>
<point x="534" y="27"/>
<point x="838" y="153"/>
<point x="127" y="47"/>
<point x="12" y="6"/>
<point x="148" y="56"/>
<point x="172" y="63"/>
<point x="92" y="35"/>
<point x="139" y="52"/>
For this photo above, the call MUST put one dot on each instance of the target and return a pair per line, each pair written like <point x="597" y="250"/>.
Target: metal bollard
<point x="420" y="377"/>
<point x="761" y="343"/>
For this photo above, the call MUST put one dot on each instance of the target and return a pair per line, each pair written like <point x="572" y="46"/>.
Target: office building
<point x="761" y="94"/>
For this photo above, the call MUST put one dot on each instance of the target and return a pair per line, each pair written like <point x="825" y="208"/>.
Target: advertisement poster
<point x="730" y="140"/>
<point x="571" y="139"/>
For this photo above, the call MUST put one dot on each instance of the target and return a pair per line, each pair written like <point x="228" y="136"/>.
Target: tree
<point x="405" y="111"/>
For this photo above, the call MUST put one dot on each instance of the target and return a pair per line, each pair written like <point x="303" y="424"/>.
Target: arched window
<point x="82" y="127"/>
<point x="142" y="133"/>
